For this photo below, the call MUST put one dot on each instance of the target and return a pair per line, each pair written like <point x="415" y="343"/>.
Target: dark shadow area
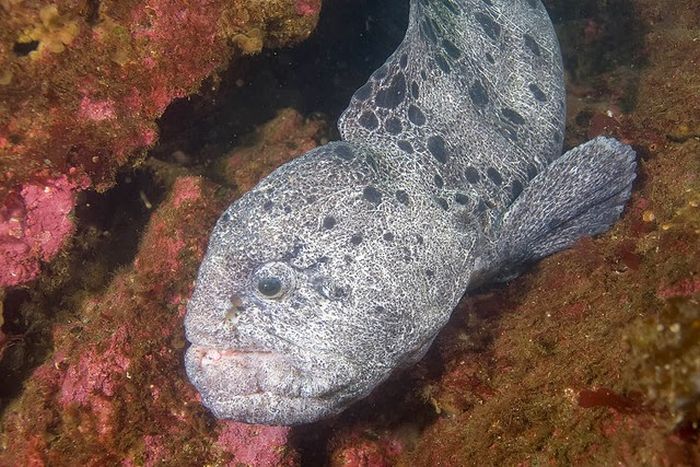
<point x="600" y="37"/>
<point x="122" y="213"/>
<point x="318" y="76"/>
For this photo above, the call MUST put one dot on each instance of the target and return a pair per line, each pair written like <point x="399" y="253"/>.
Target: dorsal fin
<point x="475" y="89"/>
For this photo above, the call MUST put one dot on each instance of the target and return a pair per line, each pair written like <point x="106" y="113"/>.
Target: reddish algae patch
<point x="82" y="84"/>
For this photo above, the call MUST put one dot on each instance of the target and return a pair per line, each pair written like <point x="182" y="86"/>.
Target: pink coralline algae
<point x="307" y="7"/>
<point x="96" y="110"/>
<point x="255" y="445"/>
<point x="34" y="224"/>
<point x="95" y="374"/>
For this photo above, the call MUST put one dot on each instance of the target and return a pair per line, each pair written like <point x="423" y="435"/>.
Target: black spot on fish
<point x="328" y="222"/>
<point x="494" y="175"/>
<point x="516" y="188"/>
<point x="405" y="146"/>
<point x="344" y="152"/>
<point x="442" y="202"/>
<point x="558" y="137"/>
<point x="295" y="251"/>
<point x="393" y="125"/>
<point x="436" y="146"/>
<point x="287" y="209"/>
<point x="490" y="27"/>
<point x="348" y="259"/>
<point x="423" y="75"/>
<point x="430" y="273"/>
<point x="380" y="73"/>
<point x="419" y="239"/>
<point x="428" y="31"/>
<point x="439" y="182"/>
<point x="401" y="197"/>
<point x="368" y="120"/>
<point x="490" y="58"/>
<point x="356" y="239"/>
<point x="461" y="199"/>
<point x="267" y="206"/>
<point x="451" y="49"/>
<point x="388" y="236"/>
<point x="531" y="171"/>
<point x="392" y="96"/>
<point x="472" y="175"/>
<point x="442" y="64"/>
<point x="339" y="293"/>
<point x="531" y="44"/>
<point x="478" y="94"/>
<point x="311" y="199"/>
<point x="553" y="224"/>
<point x="512" y="115"/>
<point x="226" y="217"/>
<point x="372" y="195"/>
<point x="416" y="115"/>
<point x="364" y="92"/>
<point x="403" y="61"/>
<point x="415" y="90"/>
<point x="451" y="6"/>
<point x="537" y="92"/>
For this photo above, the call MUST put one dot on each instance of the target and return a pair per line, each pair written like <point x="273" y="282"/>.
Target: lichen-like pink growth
<point x="34" y="224"/>
<point x="96" y="373"/>
<point x="96" y="110"/>
<point x="253" y="444"/>
<point x="307" y="7"/>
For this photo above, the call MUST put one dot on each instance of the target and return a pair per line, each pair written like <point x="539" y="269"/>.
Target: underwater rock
<point x="274" y="143"/>
<point x="82" y="84"/>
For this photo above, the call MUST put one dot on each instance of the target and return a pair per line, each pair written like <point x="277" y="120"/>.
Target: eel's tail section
<point x="582" y="193"/>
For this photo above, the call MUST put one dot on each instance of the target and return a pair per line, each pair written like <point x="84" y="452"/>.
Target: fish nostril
<point x="236" y="304"/>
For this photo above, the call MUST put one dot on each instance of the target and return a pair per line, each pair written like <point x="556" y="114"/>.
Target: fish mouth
<point x="269" y="370"/>
<point x="261" y="386"/>
<point x="212" y="355"/>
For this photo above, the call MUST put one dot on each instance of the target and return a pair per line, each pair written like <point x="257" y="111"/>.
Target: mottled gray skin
<point x="450" y="174"/>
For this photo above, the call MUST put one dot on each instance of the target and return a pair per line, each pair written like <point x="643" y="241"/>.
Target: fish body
<point x="343" y="265"/>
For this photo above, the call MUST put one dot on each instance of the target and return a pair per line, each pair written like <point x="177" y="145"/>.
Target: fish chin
<point x="256" y="386"/>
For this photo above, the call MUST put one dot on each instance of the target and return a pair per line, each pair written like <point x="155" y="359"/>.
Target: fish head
<point x="283" y="320"/>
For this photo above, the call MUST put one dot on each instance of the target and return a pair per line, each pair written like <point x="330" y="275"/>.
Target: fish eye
<point x="273" y="280"/>
<point x="270" y="287"/>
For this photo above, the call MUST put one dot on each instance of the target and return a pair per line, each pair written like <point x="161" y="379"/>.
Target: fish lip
<point x="249" y="360"/>
<point x="210" y="354"/>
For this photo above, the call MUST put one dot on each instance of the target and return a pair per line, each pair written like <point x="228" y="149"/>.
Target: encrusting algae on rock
<point x="82" y="84"/>
<point x="667" y="345"/>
